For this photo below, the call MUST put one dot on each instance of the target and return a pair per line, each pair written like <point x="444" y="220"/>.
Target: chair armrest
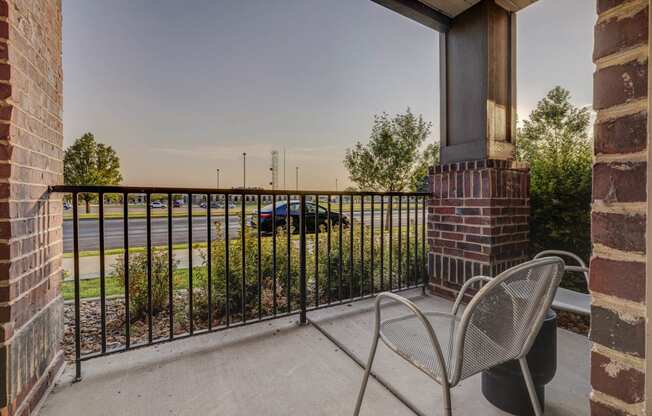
<point x="465" y="287"/>
<point x="424" y="321"/>
<point x="581" y="268"/>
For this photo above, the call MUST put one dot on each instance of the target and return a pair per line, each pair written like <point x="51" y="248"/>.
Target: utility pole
<point x="335" y="184"/>
<point x="274" y="170"/>
<point x="297" y="177"/>
<point x="244" y="170"/>
<point x="218" y="183"/>
<point x="284" y="186"/>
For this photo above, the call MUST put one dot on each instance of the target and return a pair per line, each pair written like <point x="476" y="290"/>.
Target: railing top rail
<point x="178" y="190"/>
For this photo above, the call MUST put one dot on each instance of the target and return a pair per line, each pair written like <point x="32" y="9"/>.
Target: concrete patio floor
<point x="279" y="368"/>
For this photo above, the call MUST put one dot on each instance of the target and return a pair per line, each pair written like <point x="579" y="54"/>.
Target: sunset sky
<point x="180" y="90"/>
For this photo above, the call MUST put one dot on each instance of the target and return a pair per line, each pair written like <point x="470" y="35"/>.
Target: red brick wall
<point x="31" y="155"/>
<point x="477" y="221"/>
<point x="618" y="276"/>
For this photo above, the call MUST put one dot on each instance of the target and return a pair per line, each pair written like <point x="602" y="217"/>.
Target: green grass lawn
<point x="90" y="288"/>
<point x="132" y="250"/>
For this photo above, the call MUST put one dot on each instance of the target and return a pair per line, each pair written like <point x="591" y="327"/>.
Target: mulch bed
<point x="91" y="332"/>
<point x="573" y="322"/>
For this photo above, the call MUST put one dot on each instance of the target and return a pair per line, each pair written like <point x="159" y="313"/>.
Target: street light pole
<point x="218" y="179"/>
<point x="297" y="177"/>
<point x="335" y="184"/>
<point x="244" y="170"/>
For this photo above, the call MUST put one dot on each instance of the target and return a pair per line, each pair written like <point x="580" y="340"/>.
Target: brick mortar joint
<point x="622" y="11"/>
<point x="620" y="110"/>
<point x="639" y="53"/>
<point x="624" y="208"/>
<point x="630" y="361"/>
<point x="601" y="250"/>
<point x="637" y="409"/>
<point x="14" y="281"/>
<point x="620" y="157"/>
<point x="628" y="311"/>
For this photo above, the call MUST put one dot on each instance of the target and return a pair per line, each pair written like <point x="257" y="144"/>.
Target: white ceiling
<point x="452" y="8"/>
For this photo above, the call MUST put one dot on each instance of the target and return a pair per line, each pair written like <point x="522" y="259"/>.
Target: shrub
<point x="555" y="143"/>
<point x="138" y="302"/>
<point x="286" y="279"/>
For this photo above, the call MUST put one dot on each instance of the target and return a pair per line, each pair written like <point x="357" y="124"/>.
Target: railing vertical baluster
<point x="373" y="243"/>
<point x="362" y="274"/>
<point x="102" y="274"/>
<point x="424" y="260"/>
<point x="302" y="259"/>
<point x="259" y="261"/>
<point x="75" y="240"/>
<point x="317" y="230"/>
<point x="362" y="268"/>
<point x="243" y="287"/>
<point x="190" y="282"/>
<point x="328" y="251"/>
<point x="148" y="218"/>
<point x="407" y="244"/>
<point x="125" y="224"/>
<point x="382" y="243"/>
<point x="209" y="261"/>
<point x="391" y="245"/>
<point x="415" y="267"/>
<point x="351" y="264"/>
<point x="274" y="253"/>
<point x="227" y="273"/>
<point x="170" y="271"/>
<point x="399" y="255"/>
<point x="340" y="265"/>
<point x="288" y="282"/>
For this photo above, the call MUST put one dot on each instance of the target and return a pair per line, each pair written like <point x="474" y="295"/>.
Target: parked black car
<point x="313" y="222"/>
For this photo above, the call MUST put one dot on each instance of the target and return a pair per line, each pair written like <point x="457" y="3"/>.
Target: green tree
<point x="429" y="157"/>
<point x="87" y="162"/>
<point x="556" y="144"/>
<point x="394" y="159"/>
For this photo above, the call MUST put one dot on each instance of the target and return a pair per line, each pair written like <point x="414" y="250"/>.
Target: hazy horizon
<point x="182" y="91"/>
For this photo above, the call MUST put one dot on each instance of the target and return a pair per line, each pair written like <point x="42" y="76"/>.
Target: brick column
<point x="618" y="265"/>
<point x="477" y="221"/>
<point x="31" y="140"/>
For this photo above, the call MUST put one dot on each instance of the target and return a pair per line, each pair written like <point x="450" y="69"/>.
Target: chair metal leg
<point x="448" y="408"/>
<point x="525" y="369"/>
<point x="367" y="372"/>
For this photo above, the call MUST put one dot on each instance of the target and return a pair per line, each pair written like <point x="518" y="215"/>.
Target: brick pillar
<point x="618" y="265"/>
<point x="31" y="140"/>
<point x="478" y="221"/>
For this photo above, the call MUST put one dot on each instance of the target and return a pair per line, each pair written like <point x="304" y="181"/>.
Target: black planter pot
<point x="504" y="385"/>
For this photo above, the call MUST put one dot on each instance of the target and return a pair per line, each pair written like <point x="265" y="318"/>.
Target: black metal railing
<point x="322" y="249"/>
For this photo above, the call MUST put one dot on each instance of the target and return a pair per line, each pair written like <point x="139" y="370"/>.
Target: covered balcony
<point x="261" y="311"/>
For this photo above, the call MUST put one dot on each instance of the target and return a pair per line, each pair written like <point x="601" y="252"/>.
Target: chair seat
<point x="408" y="337"/>
<point x="571" y="301"/>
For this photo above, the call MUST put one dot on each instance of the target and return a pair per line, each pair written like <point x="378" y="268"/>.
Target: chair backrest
<point x="503" y="318"/>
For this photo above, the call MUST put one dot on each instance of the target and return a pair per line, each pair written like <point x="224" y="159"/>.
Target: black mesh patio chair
<point x="499" y="324"/>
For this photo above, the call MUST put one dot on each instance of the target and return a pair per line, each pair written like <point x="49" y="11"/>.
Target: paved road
<point x="113" y="231"/>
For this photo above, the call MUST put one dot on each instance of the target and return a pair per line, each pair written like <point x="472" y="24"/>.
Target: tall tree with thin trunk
<point x="395" y="158"/>
<point x="87" y="162"/>
<point x="555" y="142"/>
